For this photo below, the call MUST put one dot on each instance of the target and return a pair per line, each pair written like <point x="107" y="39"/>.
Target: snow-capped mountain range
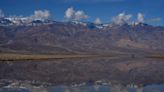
<point x="22" y="21"/>
<point x="25" y="21"/>
<point x="76" y="36"/>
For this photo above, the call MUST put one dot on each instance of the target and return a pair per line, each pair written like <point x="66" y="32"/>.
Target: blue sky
<point x="104" y="9"/>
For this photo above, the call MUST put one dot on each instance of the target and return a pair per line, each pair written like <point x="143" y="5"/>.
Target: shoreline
<point x="42" y="57"/>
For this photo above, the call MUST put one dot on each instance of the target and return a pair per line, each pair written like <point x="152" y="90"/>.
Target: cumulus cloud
<point x="97" y="21"/>
<point x="80" y="15"/>
<point x="140" y="18"/>
<point x="1" y="14"/>
<point x="71" y="14"/>
<point x="122" y="18"/>
<point x="37" y="15"/>
<point x="40" y="15"/>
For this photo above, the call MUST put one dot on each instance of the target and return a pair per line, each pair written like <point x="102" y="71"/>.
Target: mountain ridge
<point x="81" y="37"/>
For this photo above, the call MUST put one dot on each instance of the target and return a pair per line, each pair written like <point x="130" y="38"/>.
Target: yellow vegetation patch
<point x="16" y="57"/>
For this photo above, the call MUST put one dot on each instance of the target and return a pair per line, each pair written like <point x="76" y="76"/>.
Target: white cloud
<point x="71" y="14"/>
<point x="1" y="14"/>
<point x="97" y="21"/>
<point x="79" y="15"/>
<point x="140" y="18"/>
<point x="122" y="18"/>
<point x="40" y="15"/>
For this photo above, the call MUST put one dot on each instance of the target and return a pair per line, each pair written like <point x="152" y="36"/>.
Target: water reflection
<point x="109" y="70"/>
<point x="83" y="88"/>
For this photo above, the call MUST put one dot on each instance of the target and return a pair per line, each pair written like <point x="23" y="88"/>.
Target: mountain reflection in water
<point x="112" y="71"/>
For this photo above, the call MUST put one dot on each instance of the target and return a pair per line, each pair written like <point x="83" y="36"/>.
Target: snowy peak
<point x="90" y="25"/>
<point x="22" y="21"/>
<point x="4" y="22"/>
<point x="25" y="21"/>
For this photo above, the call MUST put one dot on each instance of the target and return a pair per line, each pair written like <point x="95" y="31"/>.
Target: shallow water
<point x="87" y="88"/>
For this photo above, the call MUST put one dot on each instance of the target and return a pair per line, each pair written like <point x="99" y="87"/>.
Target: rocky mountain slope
<point x="79" y="37"/>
